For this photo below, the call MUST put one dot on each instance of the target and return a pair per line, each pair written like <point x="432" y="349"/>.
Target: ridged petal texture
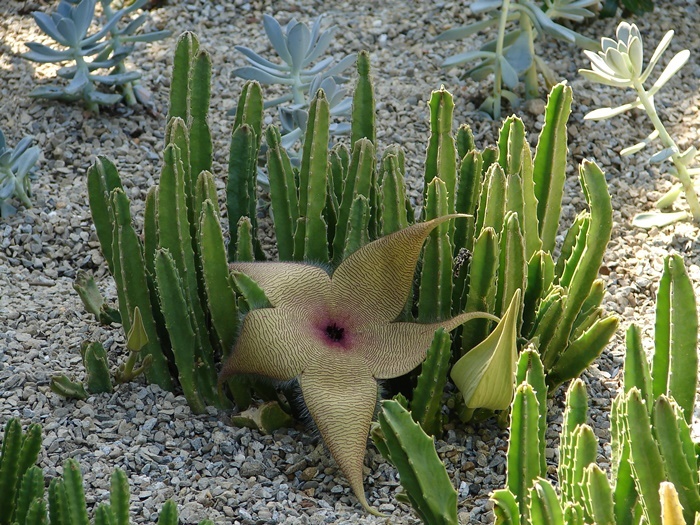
<point x="338" y="335"/>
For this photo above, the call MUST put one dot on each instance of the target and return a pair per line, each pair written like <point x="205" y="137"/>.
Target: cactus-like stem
<point x="511" y="140"/>
<point x="492" y="200"/>
<point x="36" y="514"/>
<point x="177" y="134"/>
<point x="435" y="295"/>
<point x="511" y="266"/>
<point x="677" y="451"/>
<point x="505" y="507"/>
<point x="523" y="456"/>
<point x="358" y="224"/>
<point x="358" y="182"/>
<point x="131" y="279"/>
<point x="104" y="515"/>
<point x="19" y="453"/>
<point x="550" y="164"/>
<point x="393" y="197"/>
<point x="92" y="299"/>
<point x="178" y="320"/>
<point x="482" y="287"/>
<point x="119" y="497"/>
<point x="31" y="488"/>
<point x="530" y="223"/>
<point x="63" y="386"/>
<point x="675" y="363"/>
<point x="313" y="181"/>
<point x="168" y="514"/>
<point x="598" y="496"/>
<point x="575" y="415"/>
<point x="529" y="369"/>
<point x="440" y="158"/>
<point x="464" y="141"/>
<point x="540" y="274"/>
<point x="636" y="372"/>
<point x="102" y="178"/>
<point x="244" y="244"/>
<point x="646" y="461"/>
<point x="199" y="132"/>
<point x="283" y="194"/>
<point x="220" y="294"/>
<point x="583" y="350"/>
<point x="574" y="251"/>
<point x="585" y="453"/>
<point x="363" y="125"/>
<point x="427" y="485"/>
<point x="544" y="507"/>
<point x="240" y="188"/>
<point x="596" y="192"/>
<point x="466" y="198"/>
<point x="186" y="50"/>
<point x="97" y="375"/>
<point x="427" y="396"/>
<point x="75" y="496"/>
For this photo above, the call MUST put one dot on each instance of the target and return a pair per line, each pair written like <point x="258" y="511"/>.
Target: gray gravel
<point x="235" y="475"/>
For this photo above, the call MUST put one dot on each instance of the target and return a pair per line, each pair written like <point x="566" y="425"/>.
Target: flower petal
<point x="372" y="284"/>
<point x="341" y="396"/>
<point x="291" y="285"/>
<point x="394" y="349"/>
<point x="273" y="343"/>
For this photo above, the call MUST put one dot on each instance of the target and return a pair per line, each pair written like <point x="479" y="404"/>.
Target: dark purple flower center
<point x="334" y="332"/>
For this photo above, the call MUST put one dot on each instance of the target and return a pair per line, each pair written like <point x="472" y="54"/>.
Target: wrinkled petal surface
<point x="290" y="285"/>
<point x="395" y="349"/>
<point x="273" y="343"/>
<point x="341" y="396"/>
<point x="374" y="282"/>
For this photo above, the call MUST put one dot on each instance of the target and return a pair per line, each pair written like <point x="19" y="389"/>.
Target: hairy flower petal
<point x="395" y="349"/>
<point x="273" y="343"/>
<point x="341" y="396"/>
<point x="374" y="282"/>
<point x="292" y="285"/>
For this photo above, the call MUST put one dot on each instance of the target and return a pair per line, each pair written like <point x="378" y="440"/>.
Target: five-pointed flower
<point x="338" y="335"/>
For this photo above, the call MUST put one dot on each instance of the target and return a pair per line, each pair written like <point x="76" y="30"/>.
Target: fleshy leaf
<point x="137" y="337"/>
<point x="677" y="62"/>
<point x="659" y="220"/>
<point x="485" y="375"/>
<point x="662" y="155"/>
<point x="670" y="196"/>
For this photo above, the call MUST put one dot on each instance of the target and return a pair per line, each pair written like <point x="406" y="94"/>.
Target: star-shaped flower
<point x="338" y="335"/>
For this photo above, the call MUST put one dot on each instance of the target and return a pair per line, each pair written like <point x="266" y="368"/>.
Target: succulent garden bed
<point x="237" y="475"/>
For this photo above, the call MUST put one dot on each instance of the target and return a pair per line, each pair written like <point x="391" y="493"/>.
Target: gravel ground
<point x="235" y="475"/>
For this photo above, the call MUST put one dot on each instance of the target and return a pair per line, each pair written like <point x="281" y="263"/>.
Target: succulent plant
<point x="22" y="498"/>
<point x="299" y="47"/>
<point x="654" y="476"/>
<point x="620" y="64"/>
<point x="427" y="486"/>
<point x="69" y="26"/>
<point x="340" y="211"/>
<point x="15" y="168"/>
<point x="511" y="56"/>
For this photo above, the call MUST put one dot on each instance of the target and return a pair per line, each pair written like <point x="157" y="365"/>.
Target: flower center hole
<point x="335" y="332"/>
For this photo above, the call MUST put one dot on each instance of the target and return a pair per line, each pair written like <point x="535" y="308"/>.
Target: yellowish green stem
<point x="668" y="142"/>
